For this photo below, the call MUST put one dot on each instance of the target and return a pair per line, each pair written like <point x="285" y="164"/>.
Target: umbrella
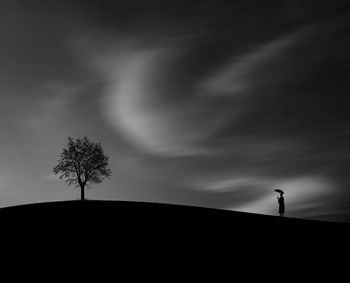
<point x="279" y="191"/>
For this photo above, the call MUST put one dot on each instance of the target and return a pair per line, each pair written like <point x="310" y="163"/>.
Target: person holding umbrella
<point x="280" y="200"/>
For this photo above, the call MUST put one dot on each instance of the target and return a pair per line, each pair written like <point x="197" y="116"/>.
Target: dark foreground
<point x="141" y="220"/>
<point x="168" y="232"/>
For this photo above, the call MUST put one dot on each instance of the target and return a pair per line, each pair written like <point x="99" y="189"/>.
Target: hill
<point x="168" y="219"/>
<point x="140" y="234"/>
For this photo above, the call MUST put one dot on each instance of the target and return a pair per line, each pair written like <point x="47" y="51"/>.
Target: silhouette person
<point x="281" y="204"/>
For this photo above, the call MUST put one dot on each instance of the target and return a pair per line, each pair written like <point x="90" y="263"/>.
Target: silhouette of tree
<point x="83" y="163"/>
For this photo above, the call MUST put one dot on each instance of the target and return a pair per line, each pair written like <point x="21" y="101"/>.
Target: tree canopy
<point x="83" y="163"/>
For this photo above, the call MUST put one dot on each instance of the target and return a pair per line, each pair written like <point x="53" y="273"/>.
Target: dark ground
<point x="154" y="235"/>
<point x="140" y="220"/>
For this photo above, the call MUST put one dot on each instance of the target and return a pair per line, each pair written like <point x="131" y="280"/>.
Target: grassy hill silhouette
<point x="141" y="230"/>
<point x="132" y="216"/>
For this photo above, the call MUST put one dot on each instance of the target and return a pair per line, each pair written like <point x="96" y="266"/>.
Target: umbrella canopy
<point x="279" y="191"/>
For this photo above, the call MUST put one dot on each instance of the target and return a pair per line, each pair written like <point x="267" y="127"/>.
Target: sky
<point x="203" y="103"/>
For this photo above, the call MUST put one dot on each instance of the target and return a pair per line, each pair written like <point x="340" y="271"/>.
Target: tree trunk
<point x="82" y="192"/>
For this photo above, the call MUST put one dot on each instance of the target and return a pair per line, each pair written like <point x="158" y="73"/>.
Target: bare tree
<point x="83" y="163"/>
